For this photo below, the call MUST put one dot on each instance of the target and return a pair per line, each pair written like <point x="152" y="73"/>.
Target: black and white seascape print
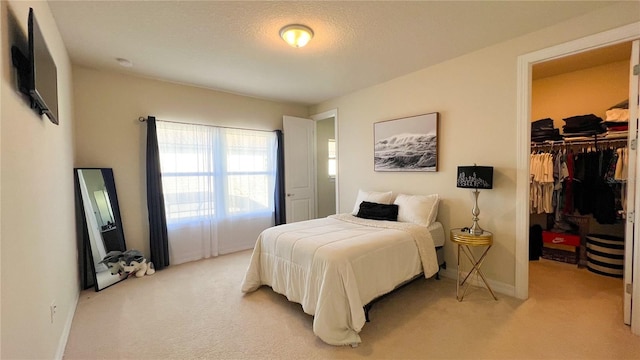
<point x="407" y="144"/>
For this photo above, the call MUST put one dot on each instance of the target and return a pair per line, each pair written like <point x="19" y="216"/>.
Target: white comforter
<point x="334" y="266"/>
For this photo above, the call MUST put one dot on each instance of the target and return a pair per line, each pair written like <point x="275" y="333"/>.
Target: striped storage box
<point x="605" y="255"/>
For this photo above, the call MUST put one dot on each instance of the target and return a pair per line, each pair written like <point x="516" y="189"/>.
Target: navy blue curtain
<point x="158" y="239"/>
<point x="280" y="215"/>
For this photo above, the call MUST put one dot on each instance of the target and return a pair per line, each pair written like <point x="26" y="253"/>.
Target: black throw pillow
<point x="375" y="211"/>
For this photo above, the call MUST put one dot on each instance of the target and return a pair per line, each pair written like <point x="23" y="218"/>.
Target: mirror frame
<point x="88" y="277"/>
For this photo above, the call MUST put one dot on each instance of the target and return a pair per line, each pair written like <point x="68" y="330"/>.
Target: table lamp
<point x="475" y="177"/>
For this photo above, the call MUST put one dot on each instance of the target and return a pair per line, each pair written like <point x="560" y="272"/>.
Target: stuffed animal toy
<point x="128" y="262"/>
<point x="133" y="263"/>
<point x="112" y="260"/>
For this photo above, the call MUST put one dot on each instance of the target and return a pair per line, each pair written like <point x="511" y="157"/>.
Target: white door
<point x="299" y="168"/>
<point x="632" y="193"/>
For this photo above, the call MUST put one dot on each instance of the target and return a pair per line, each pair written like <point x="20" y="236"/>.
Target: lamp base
<point x="475" y="229"/>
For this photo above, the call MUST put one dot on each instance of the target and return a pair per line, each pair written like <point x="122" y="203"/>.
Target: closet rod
<point x="144" y="119"/>
<point x="579" y="142"/>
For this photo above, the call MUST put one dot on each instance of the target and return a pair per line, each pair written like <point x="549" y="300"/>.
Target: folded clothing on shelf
<point x="583" y="125"/>
<point x="616" y="126"/>
<point x="618" y="115"/>
<point x="544" y="135"/>
<point x="543" y="130"/>
<point x="542" y="124"/>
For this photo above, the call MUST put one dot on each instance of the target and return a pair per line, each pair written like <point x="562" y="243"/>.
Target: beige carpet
<point x="196" y="310"/>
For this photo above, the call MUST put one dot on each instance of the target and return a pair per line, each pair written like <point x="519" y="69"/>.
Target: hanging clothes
<point x="590" y="181"/>
<point x="542" y="183"/>
<point x="561" y="174"/>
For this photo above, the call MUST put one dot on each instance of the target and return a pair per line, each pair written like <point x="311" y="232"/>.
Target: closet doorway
<point x="526" y="113"/>
<point x="326" y="163"/>
<point x="579" y="136"/>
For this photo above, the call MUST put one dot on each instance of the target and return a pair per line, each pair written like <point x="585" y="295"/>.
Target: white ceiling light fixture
<point x="296" y="35"/>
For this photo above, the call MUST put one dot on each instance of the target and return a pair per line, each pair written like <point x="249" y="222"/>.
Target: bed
<point x="335" y="266"/>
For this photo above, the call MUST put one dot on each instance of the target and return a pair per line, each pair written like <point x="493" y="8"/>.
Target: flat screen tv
<point x="37" y="73"/>
<point x="44" y="89"/>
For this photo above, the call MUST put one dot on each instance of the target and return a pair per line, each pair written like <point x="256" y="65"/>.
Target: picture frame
<point x="407" y="144"/>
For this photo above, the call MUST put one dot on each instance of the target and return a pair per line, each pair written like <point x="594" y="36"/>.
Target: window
<point x="332" y="158"/>
<point x="250" y="171"/>
<point x="215" y="172"/>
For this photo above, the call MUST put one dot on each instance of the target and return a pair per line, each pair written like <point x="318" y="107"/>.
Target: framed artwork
<point x="407" y="144"/>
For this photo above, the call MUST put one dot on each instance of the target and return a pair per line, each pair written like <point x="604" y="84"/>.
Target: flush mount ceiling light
<point x="296" y="35"/>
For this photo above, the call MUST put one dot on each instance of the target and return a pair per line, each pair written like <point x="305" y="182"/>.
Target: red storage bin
<point x="550" y="237"/>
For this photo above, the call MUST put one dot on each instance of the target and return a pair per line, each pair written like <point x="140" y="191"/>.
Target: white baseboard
<point x="496" y="286"/>
<point x="64" y="337"/>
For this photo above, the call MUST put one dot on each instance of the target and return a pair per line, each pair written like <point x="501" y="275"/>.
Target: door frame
<point x="321" y="116"/>
<point x="632" y="230"/>
<point x="523" y="141"/>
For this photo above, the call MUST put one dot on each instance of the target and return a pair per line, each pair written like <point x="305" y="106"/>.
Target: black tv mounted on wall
<point x="37" y="73"/>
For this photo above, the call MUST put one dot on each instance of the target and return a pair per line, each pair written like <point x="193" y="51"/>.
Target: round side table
<point x="465" y="241"/>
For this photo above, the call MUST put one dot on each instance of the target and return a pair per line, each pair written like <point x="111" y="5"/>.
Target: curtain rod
<point x="144" y="119"/>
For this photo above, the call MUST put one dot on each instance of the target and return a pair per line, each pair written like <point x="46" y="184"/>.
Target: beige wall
<point x="108" y="134"/>
<point x="476" y="97"/>
<point x="39" y="263"/>
<point x="587" y="91"/>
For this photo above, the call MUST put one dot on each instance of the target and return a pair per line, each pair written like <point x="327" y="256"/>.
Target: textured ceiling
<point x="234" y="46"/>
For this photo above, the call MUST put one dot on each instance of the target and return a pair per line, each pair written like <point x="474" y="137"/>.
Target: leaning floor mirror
<point x="99" y="226"/>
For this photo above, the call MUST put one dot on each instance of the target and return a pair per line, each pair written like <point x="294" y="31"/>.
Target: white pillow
<point x="371" y="196"/>
<point x="417" y="209"/>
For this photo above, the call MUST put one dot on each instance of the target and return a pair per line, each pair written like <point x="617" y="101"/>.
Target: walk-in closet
<point x="579" y="162"/>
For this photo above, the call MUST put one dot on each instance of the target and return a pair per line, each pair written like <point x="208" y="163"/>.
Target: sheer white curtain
<point x="218" y="188"/>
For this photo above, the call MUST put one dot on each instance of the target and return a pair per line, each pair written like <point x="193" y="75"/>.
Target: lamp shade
<point x="475" y="177"/>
